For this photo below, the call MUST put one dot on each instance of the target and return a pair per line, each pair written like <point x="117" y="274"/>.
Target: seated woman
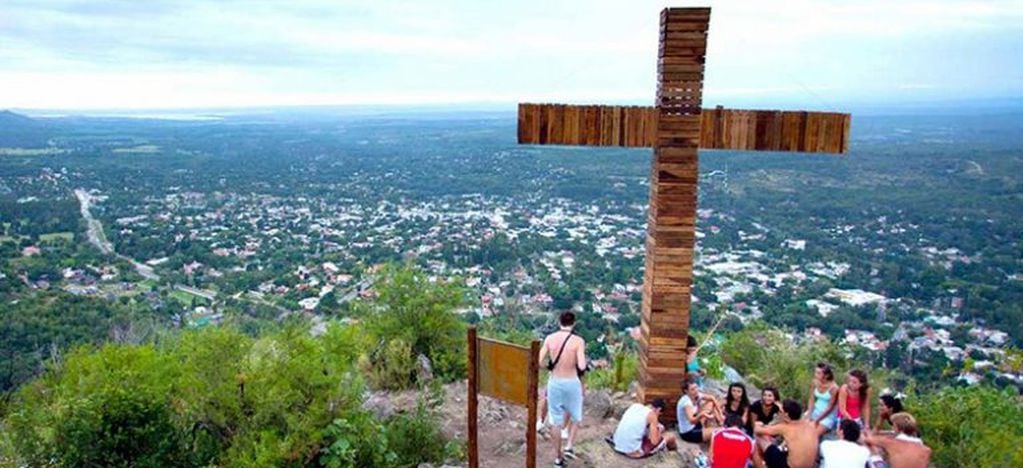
<point x="823" y="399"/>
<point x="889" y="404"/>
<point x="695" y="412"/>
<point x="692" y="362"/>
<point x="854" y="398"/>
<point x="766" y="408"/>
<point x="737" y="403"/>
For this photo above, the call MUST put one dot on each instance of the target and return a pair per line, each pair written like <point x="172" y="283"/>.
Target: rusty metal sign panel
<point x="504" y="371"/>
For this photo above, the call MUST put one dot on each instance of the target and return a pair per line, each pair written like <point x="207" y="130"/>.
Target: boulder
<point x="424" y="369"/>
<point x="598" y="404"/>
<point x="380" y="404"/>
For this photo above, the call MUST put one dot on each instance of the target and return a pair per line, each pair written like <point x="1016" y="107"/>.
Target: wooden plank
<point x="667" y="281"/>
<point x="531" y="406"/>
<point x="719" y="128"/>
<point x="502" y="371"/>
<point x="472" y="403"/>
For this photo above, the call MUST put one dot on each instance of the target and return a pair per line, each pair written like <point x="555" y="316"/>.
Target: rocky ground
<point x="502" y="428"/>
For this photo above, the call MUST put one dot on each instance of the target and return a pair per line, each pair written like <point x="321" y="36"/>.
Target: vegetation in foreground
<point x="217" y="396"/>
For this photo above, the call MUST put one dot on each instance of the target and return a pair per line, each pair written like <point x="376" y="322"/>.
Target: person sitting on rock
<point x="846" y="452"/>
<point x="765" y="409"/>
<point x="640" y="434"/>
<point x="694" y="411"/>
<point x="854" y="398"/>
<point x="737" y="403"/>
<point x="800" y="439"/>
<point x="823" y="399"/>
<point x="731" y="447"/>
<point x="889" y="404"/>
<point x="692" y="362"/>
<point x="905" y="449"/>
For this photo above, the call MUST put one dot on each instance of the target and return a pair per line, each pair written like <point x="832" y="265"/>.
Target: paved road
<point x="209" y="295"/>
<point x="98" y="238"/>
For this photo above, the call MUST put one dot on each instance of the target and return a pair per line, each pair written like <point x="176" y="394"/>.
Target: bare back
<point x="801" y="438"/>
<point x="572" y="359"/>
<point x="907" y="454"/>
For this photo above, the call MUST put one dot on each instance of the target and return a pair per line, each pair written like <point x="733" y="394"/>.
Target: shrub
<point x="391" y="366"/>
<point x="416" y="437"/>
<point x="404" y="440"/>
<point x="972" y="426"/>
<point x="355" y="441"/>
<point x="208" y="397"/>
<point x="120" y="428"/>
<point x="623" y="371"/>
<point x="103" y="407"/>
<point x="765" y="356"/>
<point x="411" y="308"/>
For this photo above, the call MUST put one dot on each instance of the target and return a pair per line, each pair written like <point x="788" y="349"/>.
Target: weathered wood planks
<point x="671" y="226"/>
<point x="732" y="129"/>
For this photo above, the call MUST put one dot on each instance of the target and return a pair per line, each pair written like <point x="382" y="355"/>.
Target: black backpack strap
<point x="562" y="350"/>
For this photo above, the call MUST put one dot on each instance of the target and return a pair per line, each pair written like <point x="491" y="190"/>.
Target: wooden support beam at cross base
<point x="676" y="127"/>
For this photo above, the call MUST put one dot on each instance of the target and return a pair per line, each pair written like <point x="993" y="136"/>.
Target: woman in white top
<point x="695" y="411"/>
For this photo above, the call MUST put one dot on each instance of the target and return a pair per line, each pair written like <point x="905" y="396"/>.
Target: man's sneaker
<point x="559" y="463"/>
<point x="569" y="454"/>
<point x="539" y="426"/>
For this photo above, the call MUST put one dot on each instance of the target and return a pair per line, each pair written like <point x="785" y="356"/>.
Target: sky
<point x="818" y="54"/>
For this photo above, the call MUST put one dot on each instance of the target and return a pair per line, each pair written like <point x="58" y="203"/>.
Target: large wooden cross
<point x="676" y="127"/>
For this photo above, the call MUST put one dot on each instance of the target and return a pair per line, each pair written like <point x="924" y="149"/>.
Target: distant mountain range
<point x="20" y="131"/>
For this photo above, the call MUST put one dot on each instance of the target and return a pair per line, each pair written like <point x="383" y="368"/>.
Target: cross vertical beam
<point x="671" y="223"/>
<point x="675" y="127"/>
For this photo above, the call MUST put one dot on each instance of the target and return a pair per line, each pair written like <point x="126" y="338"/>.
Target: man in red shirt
<point x="731" y="447"/>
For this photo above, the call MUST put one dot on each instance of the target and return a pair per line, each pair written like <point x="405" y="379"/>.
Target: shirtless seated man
<point x="800" y="439"/>
<point x="905" y="449"/>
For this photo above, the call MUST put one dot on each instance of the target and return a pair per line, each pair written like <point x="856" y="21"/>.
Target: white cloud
<point x="197" y="53"/>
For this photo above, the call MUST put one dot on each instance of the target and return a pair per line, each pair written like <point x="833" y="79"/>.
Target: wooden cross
<point x="675" y="128"/>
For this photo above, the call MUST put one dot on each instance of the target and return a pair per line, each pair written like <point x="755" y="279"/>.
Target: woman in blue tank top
<point x="823" y="398"/>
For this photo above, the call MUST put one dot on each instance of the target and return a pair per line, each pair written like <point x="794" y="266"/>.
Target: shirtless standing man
<point x="800" y="439"/>
<point x="905" y="449"/>
<point x="567" y="353"/>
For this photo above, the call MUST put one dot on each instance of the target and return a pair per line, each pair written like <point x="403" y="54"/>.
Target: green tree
<point x="213" y="396"/>
<point x="972" y="426"/>
<point x="410" y="308"/>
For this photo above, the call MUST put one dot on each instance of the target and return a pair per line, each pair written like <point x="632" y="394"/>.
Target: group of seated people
<point x="832" y="431"/>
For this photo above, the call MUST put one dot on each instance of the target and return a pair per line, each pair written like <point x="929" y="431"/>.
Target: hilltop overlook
<point x="387" y="390"/>
<point x="906" y="254"/>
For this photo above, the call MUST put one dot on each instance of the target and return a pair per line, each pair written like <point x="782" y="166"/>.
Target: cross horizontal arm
<point x="636" y="126"/>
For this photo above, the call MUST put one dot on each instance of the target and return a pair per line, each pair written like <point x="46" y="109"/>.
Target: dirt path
<point x="502" y="433"/>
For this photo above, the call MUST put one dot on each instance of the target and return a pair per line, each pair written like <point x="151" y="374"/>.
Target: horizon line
<point x="498" y="105"/>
